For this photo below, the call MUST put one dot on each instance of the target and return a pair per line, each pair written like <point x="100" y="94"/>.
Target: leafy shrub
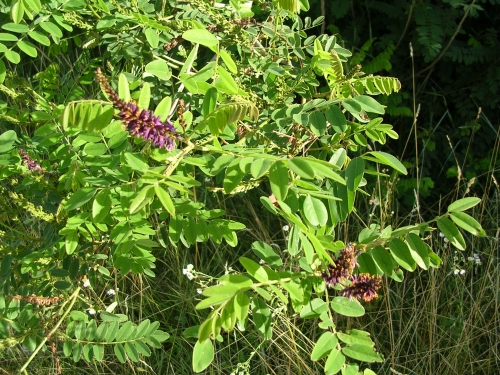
<point x="95" y="189"/>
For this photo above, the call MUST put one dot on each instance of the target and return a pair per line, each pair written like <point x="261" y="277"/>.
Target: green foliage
<point x="446" y="50"/>
<point x="93" y="203"/>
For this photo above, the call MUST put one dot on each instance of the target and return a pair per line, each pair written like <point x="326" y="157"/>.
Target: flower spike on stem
<point x="141" y="123"/>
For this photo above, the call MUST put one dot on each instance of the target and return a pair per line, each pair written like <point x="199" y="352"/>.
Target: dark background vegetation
<point x="453" y="78"/>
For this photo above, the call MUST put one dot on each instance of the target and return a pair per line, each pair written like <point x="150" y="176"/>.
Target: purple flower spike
<point x="30" y="163"/>
<point x="364" y="287"/>
<point x="141" y="123"/>
<point x="361" y="287"/>
<point x="344" y="265"/>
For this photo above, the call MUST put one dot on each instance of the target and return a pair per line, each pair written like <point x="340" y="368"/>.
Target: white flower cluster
<point x="459" y="271"/>
<point x="475" y="258"/>
<point x="110" y="292"/>
<point x="188" y="271"/>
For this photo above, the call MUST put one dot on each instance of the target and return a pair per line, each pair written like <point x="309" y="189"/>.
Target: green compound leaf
<point x="209" y="101"/>
<point x="467" y="223"/>
<point x="120" y="352"/>
<point x="355" y="337"/>
<point x="313" y="310"/>
<point x="142" y="348"/>
<point x="28" y="48"/>
<point x="302" y="167"/>
<point x="165" y="199"/>
<point x="17" y="11"/>
<point x="3" y="70"/>
<point x="125" y="332"/>
<point x="362" y="353"/>
<point x="367" y="264"/>
<point x="131" y="352"/>
<point x="80" y="197"/>
<point x="334" y="362"/>
<point x="98" y="351"/>
<point x="418" y="250"/>
<point x="317" y="122"/>
<point x="463" y="204"/>
<point x="369" y="104"/>
<point x="201" y="36"/>
<point x="241" y="306"/>
<point x="267" y="254"/>
<point x="52" y="29"/>
<point x="163" y="108"/>
<point x="450" y="230"/>
<point x="152" y="37"/>
<point x="123" y="87"/>
<point x="262" y="318"/>
<point x="13" y="57"/>
<point x="347" y="307"/>
<point x="135" y="161"/>
<point x="337" y="119"/>
<point x="226" y="57"/>
<point x="254" y="269"/>
<point x="6" y="37"/>
<point x="144" y="96"/>
<point x="16" y="28"/>
<point x="203" y="355"/>
<point x="383" y="259"/>
<point x="278" y="178"/>
<point x="233" y="176"/>
<point x="226" y="82"/>
<point x="325" y="344"/>
<point x="143" y="198"/>
<point x="259" y="167"/>
<point x="160" y="69"/>
<point x="401" y="253"/>
<point x="315" y="211"/>
<point x="95" y="149"/>
<point x="387" y="159"/>
<point x="7" y="140"/>
<point x="214" y="301"/>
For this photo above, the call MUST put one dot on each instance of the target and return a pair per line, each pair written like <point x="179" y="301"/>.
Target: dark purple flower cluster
<point x="344" y="266"/>
<point x="141" y="123"/>
<point x="30" y="163"/>
<point x="362" y="287"/>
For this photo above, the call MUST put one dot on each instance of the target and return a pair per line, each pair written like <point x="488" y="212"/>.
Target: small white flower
<point x="392" y="213"/>
<point x="91" y="312"/>
<point x="190" y="276"/>
<point x="441" y="234"/>
<point x="471" y="259"/>
<point x="110" y="292"/>
<point x="462" y="272"/>
<point x="286" y="228"/>
<point x="190" y="267"/>
<point x="456" y="272"/>
<point x="199" y="291"/>
<point x="86" y="283"/>
<point x="478" y="262"/>
<point x="261" y="261"/>
<point x="446" y="240"/>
